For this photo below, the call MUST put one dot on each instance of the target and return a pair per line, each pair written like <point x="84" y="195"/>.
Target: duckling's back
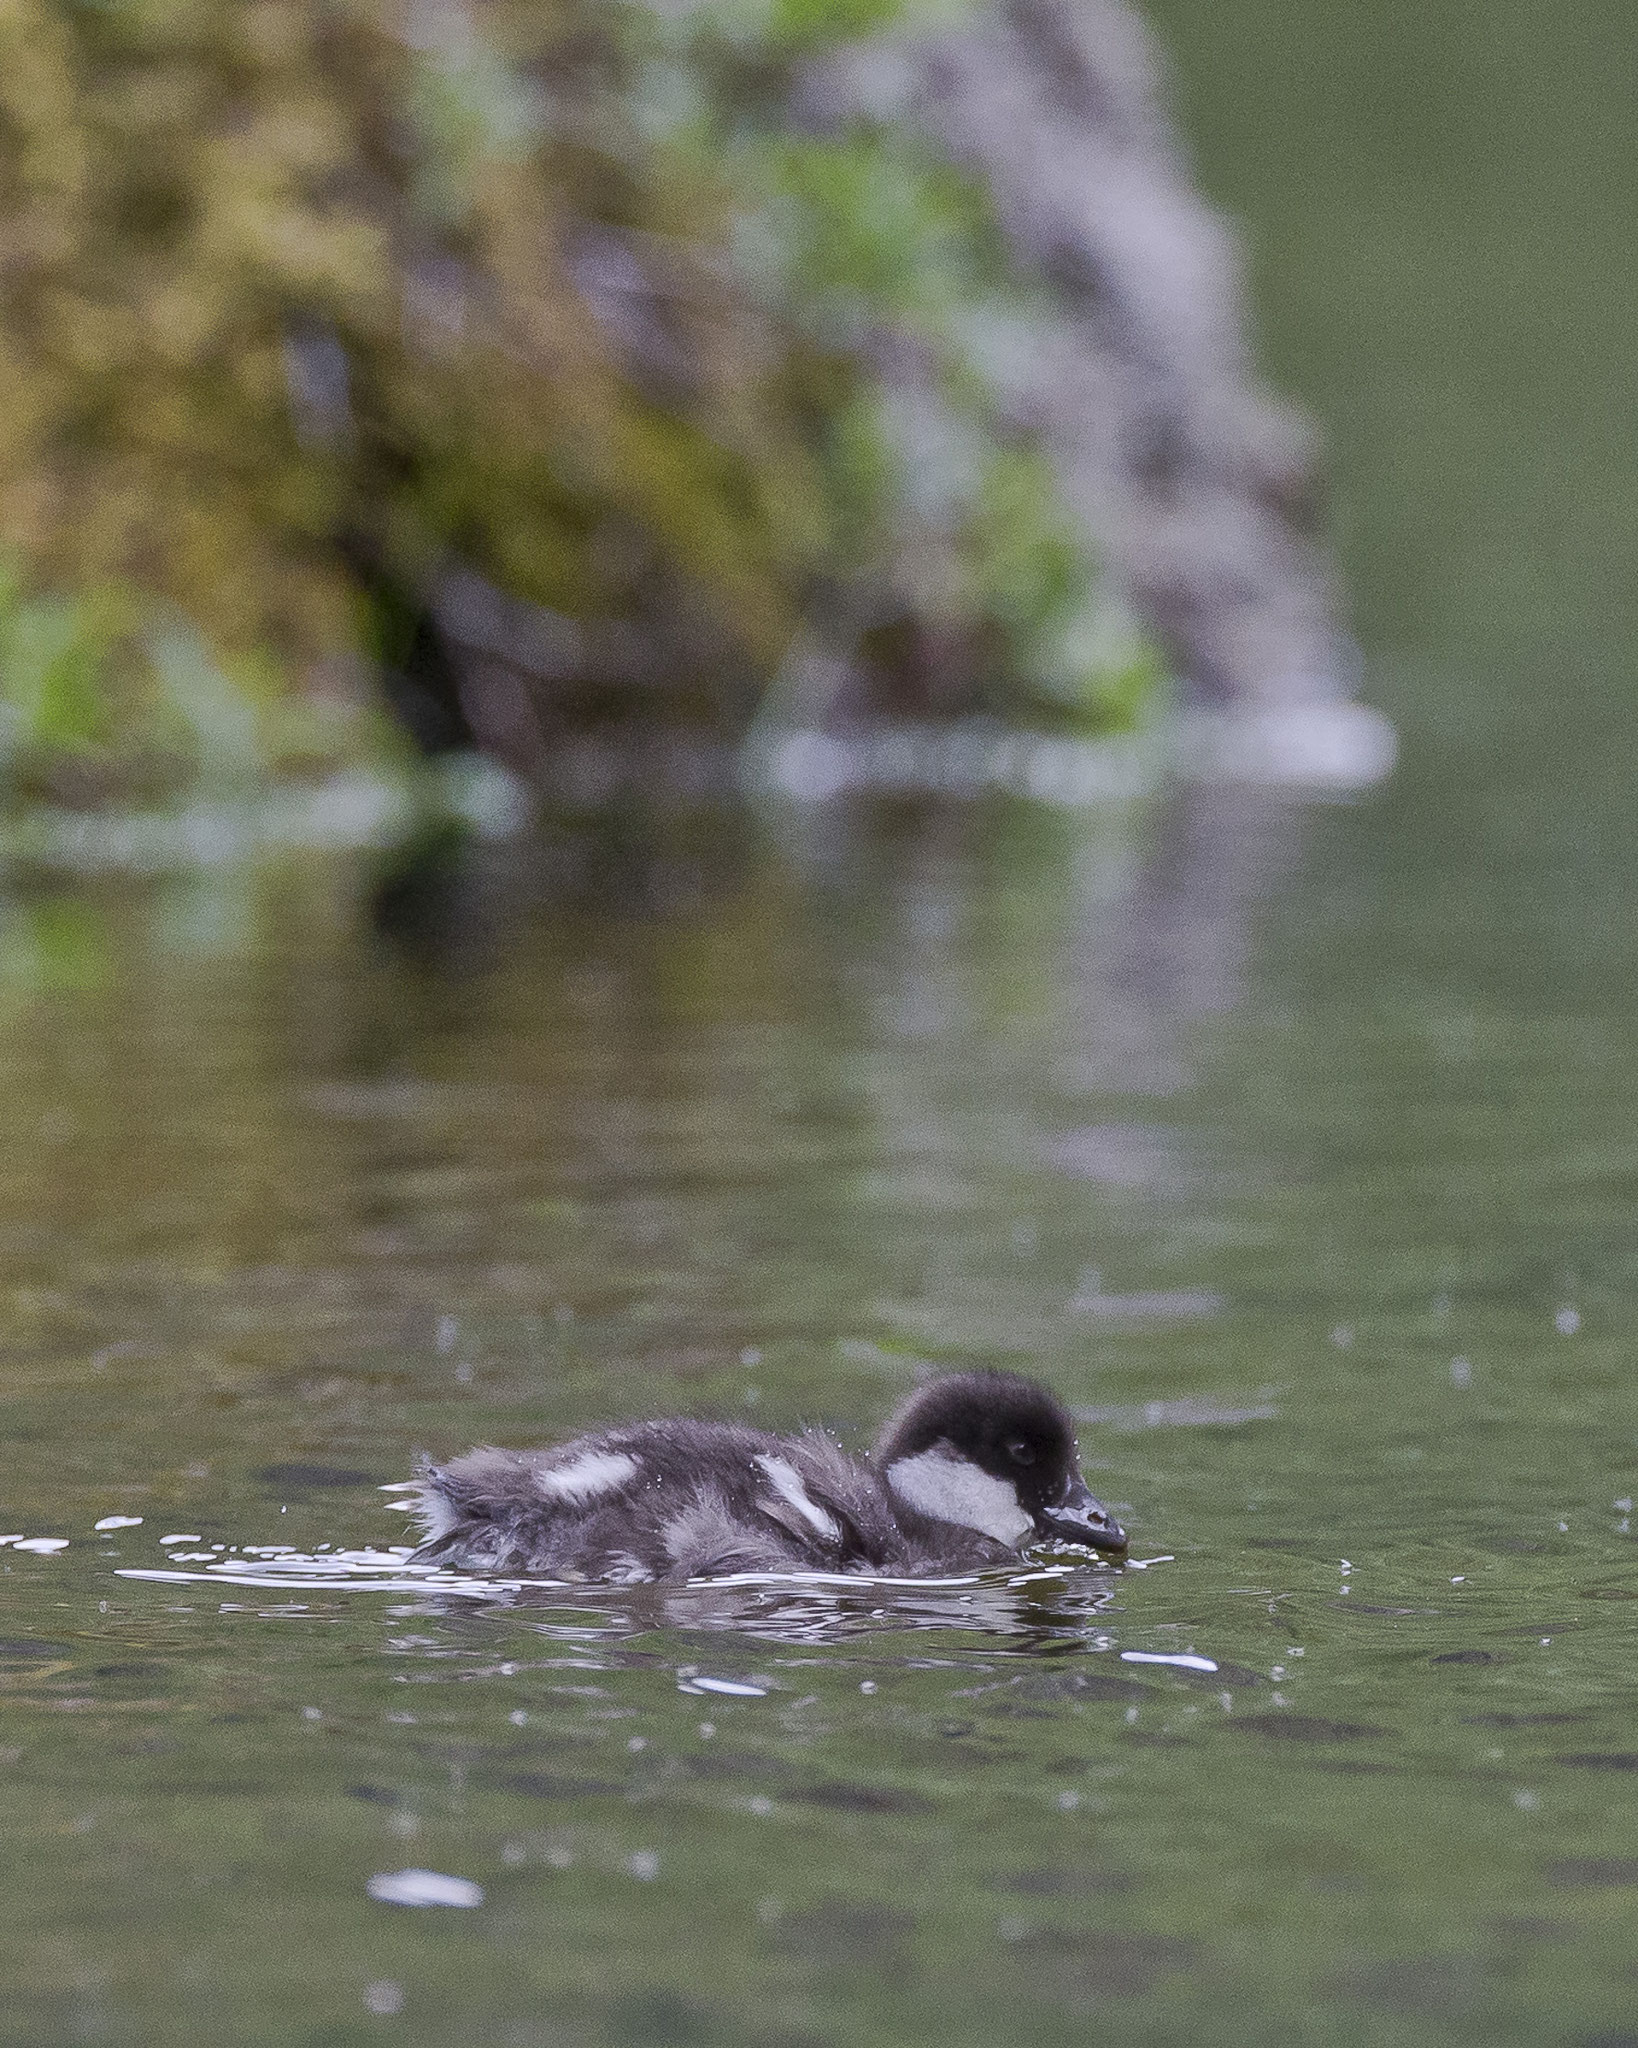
<point x="663" y="1501"/>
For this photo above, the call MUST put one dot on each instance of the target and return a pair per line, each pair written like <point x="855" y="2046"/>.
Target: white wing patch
<point x="786" y="1481"/>
<point x="435" y="1514"/>
<point x="948" y="1488"/>
<point x="591" y="1474"/>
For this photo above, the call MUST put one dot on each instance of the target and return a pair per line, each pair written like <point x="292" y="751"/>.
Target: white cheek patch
<point x="946" y="1488"/>
<point x="786" y="1481"/>
<point x="591" y="1474"/>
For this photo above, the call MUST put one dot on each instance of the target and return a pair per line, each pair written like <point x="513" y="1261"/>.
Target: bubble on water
<point x="1624" y="1506"/>
<point x="45" y="1546"/>
<point x="384" y="1999"/>
<point x="1526" y="1802"/>
<point x="1461" y="1372"/>
<point x="867" y="1685"/>
<point x="1462" y="1581"/>
<point x="423" y="1888"/>
<point x="1343" y="1336"/>
<point x="164" y="1541"/>
<point x="760" y="1804"/>
<point x="118" y="1522"/>
<point x="1068" y="1801"/>
<point x="637" y="1744"/>
<point x="448" y="1331"/>
<point x="1567" y="1321"/>
<point x="735" y="1688"/>
<point x="644" y="1864"/>
<point x="518" y="1718"/>
<point x="1184" y="1661"/>
<point x="750" y="1356"/>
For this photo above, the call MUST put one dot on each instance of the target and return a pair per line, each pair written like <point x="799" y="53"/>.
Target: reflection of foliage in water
<point x="566" y="294"/>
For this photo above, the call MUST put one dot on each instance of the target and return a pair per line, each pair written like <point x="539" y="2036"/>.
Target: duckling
<point x="972" y="1469"/>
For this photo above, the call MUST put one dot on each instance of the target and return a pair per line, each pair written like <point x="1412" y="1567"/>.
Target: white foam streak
<point x="387" y="1571"/>
<point x="423" y="1888"/>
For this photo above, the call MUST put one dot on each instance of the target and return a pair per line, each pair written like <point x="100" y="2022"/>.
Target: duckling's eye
<point x="1019" y="1451"/>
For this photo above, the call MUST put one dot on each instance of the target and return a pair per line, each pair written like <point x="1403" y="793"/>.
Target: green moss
<point x="191" y="190"/>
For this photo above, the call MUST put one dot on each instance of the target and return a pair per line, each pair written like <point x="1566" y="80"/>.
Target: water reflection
<point x="1035" y="1606"/>
<point x="1136" y="918"/>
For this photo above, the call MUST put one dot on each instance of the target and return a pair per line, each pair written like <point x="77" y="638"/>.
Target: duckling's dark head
<point x="996" y="1454"/>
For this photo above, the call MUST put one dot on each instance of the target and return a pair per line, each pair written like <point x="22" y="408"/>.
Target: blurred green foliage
<point x="279" y="271"/>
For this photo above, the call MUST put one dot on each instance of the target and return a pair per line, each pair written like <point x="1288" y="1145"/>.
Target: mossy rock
<point x="585" y="301"/>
